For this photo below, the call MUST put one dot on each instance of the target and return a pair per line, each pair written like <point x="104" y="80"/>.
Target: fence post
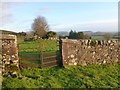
<point x="60" y="53"/>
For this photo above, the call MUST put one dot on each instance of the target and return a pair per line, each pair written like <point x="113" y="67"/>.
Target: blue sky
<point x="61" y="16"/>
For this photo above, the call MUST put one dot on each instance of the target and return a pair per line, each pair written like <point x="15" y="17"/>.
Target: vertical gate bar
<point x="41" y="51"/>
<point x="60" y="53"/>
<point x="57" y="59"/>
<point x="41" y="54"/>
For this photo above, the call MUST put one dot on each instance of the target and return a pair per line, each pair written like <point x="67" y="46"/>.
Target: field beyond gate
<point x="40" y="53"/>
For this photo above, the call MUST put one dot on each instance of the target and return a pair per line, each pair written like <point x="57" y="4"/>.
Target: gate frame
<point x="41" y="46"/>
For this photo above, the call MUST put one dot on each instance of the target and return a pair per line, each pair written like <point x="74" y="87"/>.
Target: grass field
<point x="101" y="38"/>
<point x="91" y="76"/>
<point x="98" y="38"/>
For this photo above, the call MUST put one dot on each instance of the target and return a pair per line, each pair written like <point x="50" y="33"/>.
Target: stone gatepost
<point x="9" y="53"/>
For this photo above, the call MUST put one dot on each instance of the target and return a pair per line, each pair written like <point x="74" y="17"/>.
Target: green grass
<point x="91" y="76"/>
<point x="98" y="38"/>
<point x="101" y="38"/>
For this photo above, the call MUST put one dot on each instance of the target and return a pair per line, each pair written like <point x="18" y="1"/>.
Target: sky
<point x="61" y="16"/>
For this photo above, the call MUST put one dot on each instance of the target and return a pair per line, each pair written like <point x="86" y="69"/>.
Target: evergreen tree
<point x="71" y="34"/>
<point x="80" y="35"/>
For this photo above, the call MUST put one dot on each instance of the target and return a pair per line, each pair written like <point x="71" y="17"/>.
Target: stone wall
<point x="84" y="52"/>
<point x="0" y="62"/>
<point x="9" y="53"/>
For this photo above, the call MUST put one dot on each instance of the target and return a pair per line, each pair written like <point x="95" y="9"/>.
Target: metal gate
<point x="40" y="54"/>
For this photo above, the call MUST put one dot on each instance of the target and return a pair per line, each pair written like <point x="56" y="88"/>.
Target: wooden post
<point x="60" y="53"/>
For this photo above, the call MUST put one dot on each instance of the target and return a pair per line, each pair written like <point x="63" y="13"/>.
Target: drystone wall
<point x="84" y="52"/>
<point x="9" y="53"/>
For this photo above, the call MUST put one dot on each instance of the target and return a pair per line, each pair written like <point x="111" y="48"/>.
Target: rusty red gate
<point x="40" y="54"/>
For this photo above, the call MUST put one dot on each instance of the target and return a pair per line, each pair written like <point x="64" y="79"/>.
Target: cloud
<point x="5" y="14"/>
<point x="44" y="10"/>
<point x="100" y="25"/>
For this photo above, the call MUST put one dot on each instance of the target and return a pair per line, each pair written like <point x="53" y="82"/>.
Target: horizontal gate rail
<point x="27" y="48"/>
<point x="50" y="41"/>
<point x="49" y="57"/>
<point x="29" y="43"/>
<point x="49" y="66"/>
<point x="49" y="52"/>
<point x="45" y="49"/>
<point x="50" y="46"/>
<point x="33" y="59"/>
<point x="49" y="62"/>
<point x="29" y="54"/>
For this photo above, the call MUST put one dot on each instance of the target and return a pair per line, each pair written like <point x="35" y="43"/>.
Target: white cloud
<point x="44" y="9"/>
<point x="100" y="25"/>
<point x="5" y="14"/>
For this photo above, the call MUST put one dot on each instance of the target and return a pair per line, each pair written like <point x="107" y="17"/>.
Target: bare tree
<point x="108" y="36"/>
<point x="40" y="26"/>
